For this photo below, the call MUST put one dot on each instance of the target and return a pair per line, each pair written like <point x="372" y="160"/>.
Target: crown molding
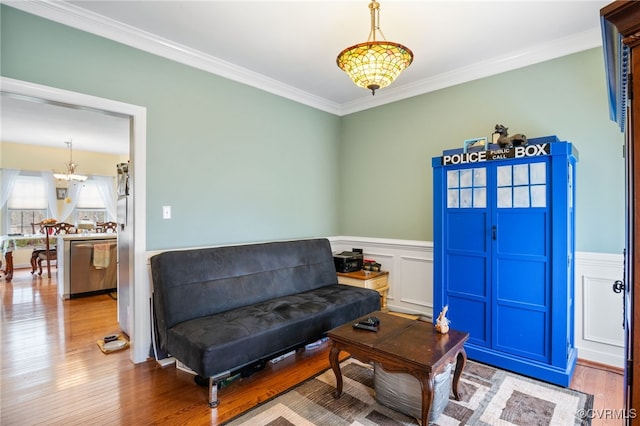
<point x="493" y="66"/>
<point x="81" y="19"/>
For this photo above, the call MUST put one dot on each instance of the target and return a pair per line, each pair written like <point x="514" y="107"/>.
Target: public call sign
<point x="497" y="154"/>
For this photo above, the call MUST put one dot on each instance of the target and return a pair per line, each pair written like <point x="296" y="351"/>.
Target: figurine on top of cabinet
<point x="506" y="141"/>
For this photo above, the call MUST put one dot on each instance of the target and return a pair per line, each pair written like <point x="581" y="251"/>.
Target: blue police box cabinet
<point x="504" y="254"/>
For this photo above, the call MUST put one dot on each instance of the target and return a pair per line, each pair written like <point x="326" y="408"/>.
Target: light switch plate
<point x="166" y="212"/>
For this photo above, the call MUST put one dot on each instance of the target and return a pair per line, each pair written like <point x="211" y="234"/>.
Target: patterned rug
<point x="489" y="396"/>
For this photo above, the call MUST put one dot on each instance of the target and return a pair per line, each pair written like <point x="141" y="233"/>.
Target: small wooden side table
<point x="402" y="345"/>
<point x="378" y="281"/>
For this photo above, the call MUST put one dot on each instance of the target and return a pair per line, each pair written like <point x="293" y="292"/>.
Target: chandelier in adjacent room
<point x="374" y="64"/>
<point x="71" y="168"/>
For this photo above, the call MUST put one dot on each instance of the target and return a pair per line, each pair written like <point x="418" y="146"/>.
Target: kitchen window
<point x="27" y="204"/>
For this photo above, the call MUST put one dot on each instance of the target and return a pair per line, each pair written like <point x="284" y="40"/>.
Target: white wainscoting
<point x="410" y="266"/>
<point x="599" y="334"/>
<point x="598" y="311"/>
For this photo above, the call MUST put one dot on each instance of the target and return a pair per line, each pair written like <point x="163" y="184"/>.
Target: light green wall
<point x="386" y="152"/>
<point x="238" y="164"/>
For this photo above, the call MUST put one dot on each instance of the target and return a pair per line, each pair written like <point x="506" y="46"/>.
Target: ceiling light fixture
<point x="71" y="168"/>
<point x="374" y="64"/>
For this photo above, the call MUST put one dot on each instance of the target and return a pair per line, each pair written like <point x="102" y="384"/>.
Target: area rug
<point x="489" y="397"/>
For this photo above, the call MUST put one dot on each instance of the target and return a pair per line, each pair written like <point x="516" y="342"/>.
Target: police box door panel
<point x="521" y="246"/>
<point x="467" y="252"/>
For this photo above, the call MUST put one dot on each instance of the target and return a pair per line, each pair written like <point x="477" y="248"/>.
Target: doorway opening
<point x="139" y="294"/>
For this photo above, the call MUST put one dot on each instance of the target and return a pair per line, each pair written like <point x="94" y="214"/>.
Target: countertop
<point x="88" y="236"/>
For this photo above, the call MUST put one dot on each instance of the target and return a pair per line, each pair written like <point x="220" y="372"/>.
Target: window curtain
<point x="108" y="194"/>
<point x="72" y="199"/>
<point x="9" y="177"/>
<point x="50" y="188"/>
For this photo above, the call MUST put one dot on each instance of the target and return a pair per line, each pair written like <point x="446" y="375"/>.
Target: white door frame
<point x="140" y="332"/>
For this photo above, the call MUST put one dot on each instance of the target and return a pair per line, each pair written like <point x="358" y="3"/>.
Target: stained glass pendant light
<point x="374" y="64"/>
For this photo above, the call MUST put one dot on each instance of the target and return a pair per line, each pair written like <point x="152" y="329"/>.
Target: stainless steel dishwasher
<point x="92" y="267"/>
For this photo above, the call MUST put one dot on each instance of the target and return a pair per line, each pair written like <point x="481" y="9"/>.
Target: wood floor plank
<point x="52" y="372"/>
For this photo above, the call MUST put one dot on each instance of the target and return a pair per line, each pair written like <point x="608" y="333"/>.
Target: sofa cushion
<point x="232" y="339"/>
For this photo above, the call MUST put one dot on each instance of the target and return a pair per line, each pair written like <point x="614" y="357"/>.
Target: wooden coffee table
<point x="402" y="345"/>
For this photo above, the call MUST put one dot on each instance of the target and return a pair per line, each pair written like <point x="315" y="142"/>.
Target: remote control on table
<point x="365" y="326"/>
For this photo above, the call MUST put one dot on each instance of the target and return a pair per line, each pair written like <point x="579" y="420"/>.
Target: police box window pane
<point x="538" y="195"/>
<point x="504" y="197"/>
<point x="538" y="173"/>
<point x="466" y="177"/>
<point x="480" y="198"/>
<point x="479" y="177"/>
<point x="521" y="196"/>
<point x="521" y="174"/>
<point x="466" y="198"/>
<point x="452" y="179"/>
<point x="504" y="176"/>
<point x="452" y="199"/>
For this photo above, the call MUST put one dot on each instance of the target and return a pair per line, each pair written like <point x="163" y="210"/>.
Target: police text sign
<point x="497" y="154"/>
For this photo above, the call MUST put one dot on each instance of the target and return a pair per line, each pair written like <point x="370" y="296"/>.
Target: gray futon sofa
<point x="219" y="309"/>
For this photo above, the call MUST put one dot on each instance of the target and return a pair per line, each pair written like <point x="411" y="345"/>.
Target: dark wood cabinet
<point x="621" y="42"/>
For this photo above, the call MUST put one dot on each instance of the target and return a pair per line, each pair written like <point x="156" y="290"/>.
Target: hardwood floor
<point x="53" y="372"/>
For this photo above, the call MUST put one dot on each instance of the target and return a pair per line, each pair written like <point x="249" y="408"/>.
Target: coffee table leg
<point x="335" y="366"/>
<point x="426" y="383"/>
<point x="460" y="363"/>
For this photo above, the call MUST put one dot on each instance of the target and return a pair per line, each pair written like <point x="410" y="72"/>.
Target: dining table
<point x="12" y="242"/>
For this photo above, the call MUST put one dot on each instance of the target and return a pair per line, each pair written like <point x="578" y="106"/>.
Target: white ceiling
<point x="289" y="47"/>
<point x="34" y="122"/>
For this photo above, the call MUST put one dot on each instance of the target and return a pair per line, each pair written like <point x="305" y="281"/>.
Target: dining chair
<point x="51" y="252"/>
<point x="37" y="228"/>
<point x="107" y="227"/>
